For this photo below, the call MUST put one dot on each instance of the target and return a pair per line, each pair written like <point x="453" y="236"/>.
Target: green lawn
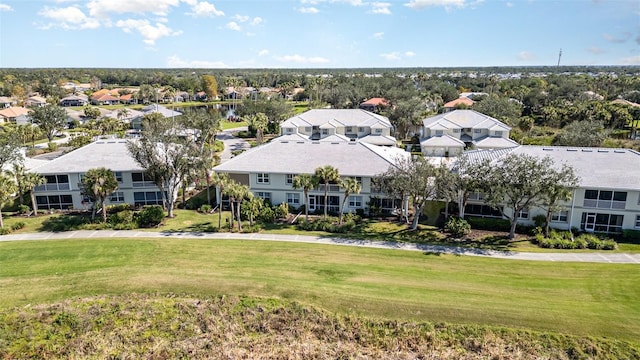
<point x="575" y="298"/>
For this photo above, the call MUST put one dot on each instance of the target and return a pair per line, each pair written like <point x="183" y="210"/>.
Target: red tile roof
<point x="459" y="101"/>
<point x="376" y="102"/>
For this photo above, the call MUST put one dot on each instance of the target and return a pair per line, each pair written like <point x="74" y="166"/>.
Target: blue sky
<point x="317" y="33"/>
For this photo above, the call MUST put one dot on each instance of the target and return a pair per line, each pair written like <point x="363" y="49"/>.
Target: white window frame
<point x="498" y="133"/>
<point x="116" y="197"/>
<point x="523" y="214"/>
<point x="325" y="131"/>
<point x="360" y="129"/>
<point x="289" y="179"/>
<point x="118" y="175"/>
<point x="456" y="131"/>
<point x="355" y="201"/>
<point x="264" y="195"/>
<point x="293" y="199"/>
<point x="378" y="131"/>
<point x="637" y="224"/>
<point x="262" y="178"/>
<point x="477" y="131"/>
<point x="439" y="132"/>
<point x="559" y="215"/>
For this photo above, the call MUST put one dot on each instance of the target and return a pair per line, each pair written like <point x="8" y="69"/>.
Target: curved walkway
<point x="231" y="143"/>
<point x="591" y="257"/>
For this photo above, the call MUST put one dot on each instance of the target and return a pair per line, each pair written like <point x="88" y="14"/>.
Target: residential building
<point x="15" y="114"/>
<point x="374" y="104"/>
<point x="461" y="102"/>
<point x="136" y="120"/>
<point x="6" y="102"/>
<point x="269" y="170"/>
<point x="606" y="200"/>
<point x="340" y="125"/>
<point x="35" y="101"/>
<point x="64" y="176"/>
<point x="74" y="100"/>
<point x="450" y="133"/>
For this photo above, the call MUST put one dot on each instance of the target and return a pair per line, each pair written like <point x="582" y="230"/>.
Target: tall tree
<point x="51" y="119"/>
<point x="350" y="186"/>
<point x="582" y="133"/>
<point x="91" y="112"/>
<point x="30" y="181"/>
<point x="7" y="190"/>
<point x="326" y="175"/>
<point x="259" y="123"/>
<point x="562" y="182"/>
<point x="413" y="178"/>
<point x="97" y="185"/>
<point x="306" y="182"/>
<point x="517" y="182"/>
<point x="210" y="86"/>
<point x="166" y="154"/>
<point x="220" y="181"/>
<point x="237" y="194"/>
<point x="9" y="147"/>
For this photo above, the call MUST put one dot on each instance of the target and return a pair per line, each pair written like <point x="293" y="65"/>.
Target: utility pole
<point x="559" y="57"/>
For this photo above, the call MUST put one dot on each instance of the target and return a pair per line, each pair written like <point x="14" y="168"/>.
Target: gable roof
<point x="281" y="156"/>
<point x="111" y="154"/>
<point x="459" y="101"/>
<point x="444" y="140"/>
<point x="345" y="117"/>
<point x="155" y="108"/>
<point x="465" y="119"/>
<point x="377" y="101"/>
<point x="14" y="111"/>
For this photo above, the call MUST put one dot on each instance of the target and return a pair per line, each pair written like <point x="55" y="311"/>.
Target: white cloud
<point x="509" y="4"/>
<point x="5" y="7"/>
<point x="380" y="8"/>
<point x="409" y="54"/>
<point x="421" y="4"/>
<point x="526" y="56"/>
<point x="302" y="59"/>
<point x="308" y="10"/>
<point x="69" y="18"/>
<point x="256" y="21"/>
<point x="102" y="8"/>
<point x="392" y="56"/>
<point x="378" y="35"/>
<point x="596" y="50"/>
<point x="203" y="9"/>
<point x="633" y="60"/>
<point x="233" y="26"/>
<point x="617" y="39"/>
<point x="263" y="52"/>
<point x="175" y="62"/>
<point x="149" y="32"/>
<point x="241" y="18"/>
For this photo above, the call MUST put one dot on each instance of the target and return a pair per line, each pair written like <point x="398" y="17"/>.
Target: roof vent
<point x="619" y="151"/>
<point x="603" y="151"/>
<point x="335" y="143"/>
<point x="315" y="142"/>
<point x="587" y="150"/>
<point x="547" y="149"/>
<point x="284" y="141"/>
<point x="572" y="149"/>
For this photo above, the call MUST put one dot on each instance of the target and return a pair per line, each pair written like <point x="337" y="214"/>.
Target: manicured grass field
<point x="574" y="298"/>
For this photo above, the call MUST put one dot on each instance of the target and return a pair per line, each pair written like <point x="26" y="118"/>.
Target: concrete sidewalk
<point x="590" y="257"/>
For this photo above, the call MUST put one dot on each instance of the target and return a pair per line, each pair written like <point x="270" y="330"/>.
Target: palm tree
<point x="237" y="194"/>
<point x="97" y="184"/>
<point x="350" y="186"/>
<point x="325" y="175"/>
<point x="221" y="181"/>
<point x="255" y="205"/>
<point x="31" y="180"/>
<point x="7" y="189"/>
<point x="18" y="173"/>
<point x="305" y="182"/>
<point x="259" y="122"/>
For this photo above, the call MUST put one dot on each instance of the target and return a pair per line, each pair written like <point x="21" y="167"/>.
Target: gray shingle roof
<point x="298" y="157"/>
<point x="464" y="119"/>
<point x="111" y="154"/>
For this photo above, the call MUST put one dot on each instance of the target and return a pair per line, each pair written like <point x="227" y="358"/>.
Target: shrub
<point x="17" y="226"/>
<point x="122" y="217"/>
<point x="457" y="227"/>
<point x="114" y="209"/>
<point x="150" y="216"/>
<point x="206" y="209"/>
<point x="540" y="220"/>
<point x="490" y="224"/>
<point x="5" y="230"/>
<point x="631" y="236"/>
<point x="52" y="146"/>
<point x="267" y="215"/>
<point x="282" y="211"/>
<point x="24" y="209"/>
<point x="564" y="240"/>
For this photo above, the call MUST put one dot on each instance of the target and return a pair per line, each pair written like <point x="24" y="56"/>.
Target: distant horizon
<point x="324" y="34"/>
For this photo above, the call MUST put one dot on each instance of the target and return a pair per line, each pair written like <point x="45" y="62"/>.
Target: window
<point x="262" y="178"/>
<point x="498" y="133"/>
<point x="61" y="202"/>
<point x="355" y="201"/>
<point x="608" y="223"/>
<point x="604" y="199"/>
<point x="307" y="129"/>
<point x="293" y="199"/>
<point x="147" y="198"/>
<point x="482" y="211"/>
<point x="325" y="131"/>
<point x="560" y="216"/>
<point x="266" y="196"/>
<point x="523" y="214"/>
<point x="637" y="226"/>
<point x="141" y="180"/>
<point x="456" y="131"/>
<point x="359" y="179"/>
<point x="476" y="196"/>
<point x="477" y="131"/>
<point x="116" y="197"/>
<point x="438" y="132"/>
<point x="118" y="175"/>
<point x="378" y="131"/>
<point x="290" y="179"/>
<point x="349" y="129"/>
<point x="289" y="130"/>
<point x="55" y="182"/>
<point x="361" y="129"/>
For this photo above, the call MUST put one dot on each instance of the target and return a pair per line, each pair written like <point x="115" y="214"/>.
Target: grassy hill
<point x="233" y="327"/>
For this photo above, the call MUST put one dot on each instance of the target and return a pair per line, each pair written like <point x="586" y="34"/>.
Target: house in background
<point x="74" y="100"/>
<point x="606" y="200"/>
<point x="450" y="133"/>
<point x="64" y="176"/>
<point x="6" y="102"/>
<point x="463" y="102"/>
<point x="35" y="101"/>
<point x="136" y="119"/>
<point x="269" y="170"/>
<point x="15" y="114"/>
<point x="340" y="125"/>
<point x="374" y="104"/>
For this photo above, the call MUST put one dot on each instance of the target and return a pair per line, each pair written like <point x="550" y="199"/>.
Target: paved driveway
<point x="231" y="143"/>
<point x="591" y="257"/>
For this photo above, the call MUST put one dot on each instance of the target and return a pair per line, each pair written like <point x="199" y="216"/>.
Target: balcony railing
<point x="604" y="204"/>
<point x="332" y="188"/>
<point x="140" y="184"/>
<point x="53" y="187"/>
